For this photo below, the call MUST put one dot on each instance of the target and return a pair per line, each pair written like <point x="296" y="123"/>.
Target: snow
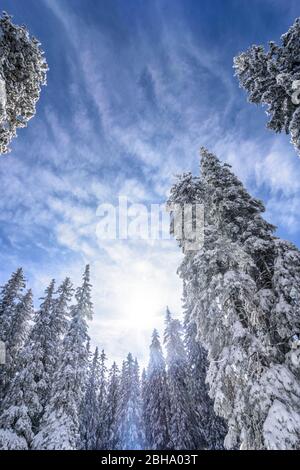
<point x="243" y="292"/>
<point x="231" y="370"/>
<point x="281" y="427"/>
<point x="269" y="77"/>
<point x="2" y="100"/>
<point x="23" y="71"/>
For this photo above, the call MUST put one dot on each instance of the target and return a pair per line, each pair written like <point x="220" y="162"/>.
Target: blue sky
<point x="134" y="89"/>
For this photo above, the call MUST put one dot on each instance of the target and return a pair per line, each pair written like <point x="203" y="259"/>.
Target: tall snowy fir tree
<point x="10" y="295"/>
<point x="41" y="337"/>
<point x="183" y="427"/>
<point x="139" y="402"/>
<point x="15" y="424"/>
<point x="61" y="310"/>
<point x="57" y="324"/>
<point x="129" y="434"/>
<point x="156" y="399"/>
<point x="145" y="409"/>
<point x="112" y="404"/>
<point x="15" y="311"/>
<point x="59" y="428"/>
<point x="244" y="293"/>
<point x="89" y="415"/>
<point x="26" y="396"/>
<point x="270" y="78"/>
<point x="212" y="428"/>
<point x="20" y="327"/>
<point x="23" y="70"/>
<point x="102" y="431"/>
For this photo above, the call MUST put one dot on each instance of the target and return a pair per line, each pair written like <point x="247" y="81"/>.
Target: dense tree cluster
<point x="56" y="394"/>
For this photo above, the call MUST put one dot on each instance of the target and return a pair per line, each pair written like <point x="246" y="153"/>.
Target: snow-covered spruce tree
<point x="57" y="327"/>
<point x="129" y="433"/>
<point x="14" y="316"/>
<point x="41" y="348"/>
<point x="139" y="407"/>
<point x="212" y="428"/>
<point x="112" y="404"/>
<point x="18" y="406"/>
<point x="145" y="409"/>
<point x="183" y="425"/>
<point x="23" y="70"/>
<point x="25" y="398"/>
<point x="243" y="288"/>
<point x="270" y="78"/>
<point x="156" y="399"/>
<point x="59" y="428"/>
<point x="29" y="391"/>
<point x="89" y="410"/>
<point x="102" y="407"/>
<point x="10" y="295"/>
<point x="19" y="331"/>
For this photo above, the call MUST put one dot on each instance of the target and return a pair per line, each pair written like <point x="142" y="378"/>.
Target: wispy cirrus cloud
<point x="132" y="94"/>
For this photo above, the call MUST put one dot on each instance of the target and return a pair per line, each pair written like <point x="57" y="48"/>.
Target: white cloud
<point x="77" y="164"/>
<point x="276" y="167"/>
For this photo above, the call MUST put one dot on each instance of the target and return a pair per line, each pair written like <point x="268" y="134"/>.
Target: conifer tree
<point x="145" y="408"/>
<point x="59" y="428"/>
<point x="183" y="428"/>
<point x="102" y="406"/>
<point x="10" y="295"/>
<point x="129" y="433"/>
<point x="112" y="406"/>
<point x="15" y="423"/>
<point x="25" y="399"/>
<point x="61" y="310"/>
<point x="15" y="312"/>
<point x="58" y="318"/>
<point x="19" y="406"/>
<point x="212" y="429"/>
<point x="271" y="78"/>
<point x="156" y="399"/>
<point x="22" y="73"/>
<point x="19" y="332"/>
<point x="243" y="291"/>
<point x="89" y="410"/>
<point x="41" y="342"/>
